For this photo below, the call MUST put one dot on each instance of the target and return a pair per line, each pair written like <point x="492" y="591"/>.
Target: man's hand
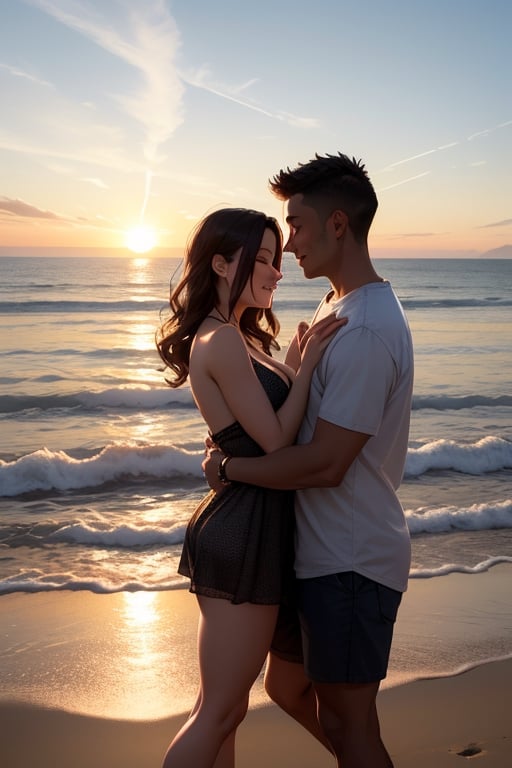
<point x="212" y="459"/>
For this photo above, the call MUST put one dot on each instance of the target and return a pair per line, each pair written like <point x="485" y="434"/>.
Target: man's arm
<point x="321" y="463"/>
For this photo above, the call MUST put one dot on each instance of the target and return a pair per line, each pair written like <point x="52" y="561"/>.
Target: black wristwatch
<point x="221" y="472"/>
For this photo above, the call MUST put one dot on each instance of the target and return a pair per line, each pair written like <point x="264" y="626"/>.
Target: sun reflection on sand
<point x="129" y="655"/>
<point x="140" y="608"/>
<point x="140" y="632"/>
<point x="140" y="635"/>
<point x="144" y="637"/>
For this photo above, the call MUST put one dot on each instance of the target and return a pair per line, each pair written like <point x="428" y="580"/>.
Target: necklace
<point x="224" y="318"/>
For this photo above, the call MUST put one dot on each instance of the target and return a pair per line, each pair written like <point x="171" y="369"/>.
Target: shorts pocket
<point x="389" y="602"/>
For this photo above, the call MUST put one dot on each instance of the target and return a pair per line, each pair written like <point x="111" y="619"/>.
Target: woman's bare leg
<point x="233" y="641"/>
<point x="226" y="754"/>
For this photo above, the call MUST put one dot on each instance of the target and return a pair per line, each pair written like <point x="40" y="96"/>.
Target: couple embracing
<point x="300" y="553"/>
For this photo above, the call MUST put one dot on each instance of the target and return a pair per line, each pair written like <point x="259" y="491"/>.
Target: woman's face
<point x="259" y="289"/>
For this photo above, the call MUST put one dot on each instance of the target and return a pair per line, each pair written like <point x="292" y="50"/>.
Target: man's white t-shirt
<point x="363" y="383"/>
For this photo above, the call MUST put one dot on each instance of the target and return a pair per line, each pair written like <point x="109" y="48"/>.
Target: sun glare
<point x="140" y="239"/>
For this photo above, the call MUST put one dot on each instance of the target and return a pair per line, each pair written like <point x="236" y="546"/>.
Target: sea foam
<point x="489" y="454"/>
<point x="44" y="470"/>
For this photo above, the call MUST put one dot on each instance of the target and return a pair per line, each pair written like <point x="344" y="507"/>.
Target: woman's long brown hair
<point x="224" y="231"/>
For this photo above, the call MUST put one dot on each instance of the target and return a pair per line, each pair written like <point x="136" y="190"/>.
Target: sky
<point x="121" y="114"/>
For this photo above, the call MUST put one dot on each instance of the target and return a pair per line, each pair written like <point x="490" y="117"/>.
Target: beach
<point x="428" y="724"/>
<point x="100" y="470"/>
<point x="106" y="680"/>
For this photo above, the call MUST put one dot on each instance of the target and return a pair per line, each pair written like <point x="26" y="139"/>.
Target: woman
<point x="238" y="550"/>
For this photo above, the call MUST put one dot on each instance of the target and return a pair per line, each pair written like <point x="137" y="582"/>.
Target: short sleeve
<point x="356" y="374"/>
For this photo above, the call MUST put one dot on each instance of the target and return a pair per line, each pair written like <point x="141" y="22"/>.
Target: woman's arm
<point x="293" y="353"/>
<point x="224" y="358"/>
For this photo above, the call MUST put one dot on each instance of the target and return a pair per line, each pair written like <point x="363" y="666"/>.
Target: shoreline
<point x="133" y="654"/>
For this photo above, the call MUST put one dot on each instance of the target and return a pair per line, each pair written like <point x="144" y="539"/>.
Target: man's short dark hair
<point x="329" y="183"/>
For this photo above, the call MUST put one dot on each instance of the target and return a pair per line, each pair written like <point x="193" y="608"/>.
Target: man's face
<point x="310" y="238"/>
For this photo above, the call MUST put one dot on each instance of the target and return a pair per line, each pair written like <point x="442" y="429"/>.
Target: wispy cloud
<point x="104" y="158"/>
<point x="150" y="43"/>
<point x="503" y="223"/>
<point x="202" y="79"/>
<point x="17" y="72"/>
<point x="96" y="182"/>
<point x="420" y="155"/>
<point x="20" y="208"/>
<point x="450" y="145"/>
<point x="107" y="158"/>
<point x="405" y="181"/>
<point x="478" y="134"/>
<point x="145" y="36"/>
<point x="416" y="234"/>
<point x="11" y="209"/>
<point x="488" y="131"/>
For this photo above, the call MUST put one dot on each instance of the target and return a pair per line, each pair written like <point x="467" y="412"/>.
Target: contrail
<point x="405" y="181"/>
<point x="145" y="35"/>
<point x="199" y="80"/>
<point x="149" y="176"/>
<point x="149" y="42"/>
<point x="484" y="132"/>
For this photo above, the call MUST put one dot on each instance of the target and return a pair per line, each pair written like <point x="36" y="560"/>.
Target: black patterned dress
<point x="239" y="543"/>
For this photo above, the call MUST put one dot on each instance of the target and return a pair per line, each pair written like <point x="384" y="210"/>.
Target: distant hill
<point x="503" y="252"/>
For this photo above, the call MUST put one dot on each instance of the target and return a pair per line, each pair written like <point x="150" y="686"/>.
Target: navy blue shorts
<point x="341" y="630"/>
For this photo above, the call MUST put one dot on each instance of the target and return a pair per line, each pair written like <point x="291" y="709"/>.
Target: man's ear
<point x="340" y="222"/>
<point x="219" y="265"/>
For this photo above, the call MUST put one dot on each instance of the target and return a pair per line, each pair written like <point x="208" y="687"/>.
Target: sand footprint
<point x="472" y="750"/>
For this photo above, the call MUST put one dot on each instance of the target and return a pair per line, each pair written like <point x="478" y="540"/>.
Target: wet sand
<point x="105" y="680"/>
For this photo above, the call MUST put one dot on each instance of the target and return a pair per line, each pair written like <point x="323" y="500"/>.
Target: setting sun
<point x="140" y="239"/>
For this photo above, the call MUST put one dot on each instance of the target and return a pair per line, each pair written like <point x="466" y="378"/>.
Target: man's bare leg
<point x="348" y="715"/>
<point x="287" y="685"/>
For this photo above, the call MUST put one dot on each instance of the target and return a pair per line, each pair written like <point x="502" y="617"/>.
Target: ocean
<point x="100" y="461"/>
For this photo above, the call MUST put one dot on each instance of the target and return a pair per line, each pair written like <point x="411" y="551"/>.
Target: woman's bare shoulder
<point x="217" y="342"/>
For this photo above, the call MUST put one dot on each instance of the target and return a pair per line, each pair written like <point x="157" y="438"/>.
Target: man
<point x="352" y="543"/>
